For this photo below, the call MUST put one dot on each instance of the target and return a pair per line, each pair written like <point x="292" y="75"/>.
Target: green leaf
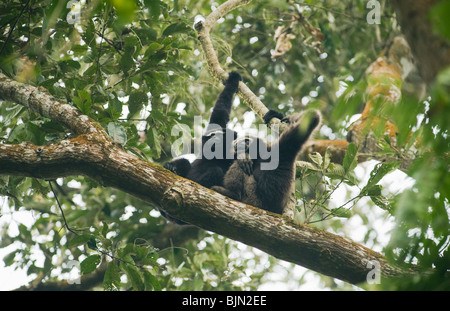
<point x="350" y="159"/>
<point x="316" y="158"/>
<point x="117" y="132"/>
<point x="374" y="191"/>
<point x="69" y="65"/>
<point x="379" y="171"/>
<point x="127" y="61"/>
<point x="136" y="102"/>
<point x="152" y="47"/>
<point x="155" y="142"/>
<point x="341" y="212"/>
<point x="382" y="202"/>
<point x="335" y="171"/>
<point x="111" y="280"/>
<point x="92" y="244"/>
<point x="125" y="10"/>
<point x="83" y="101"/>
<point x="89" y="264"/>
<point x="151" y="282"/>
<point x="105" y="229"/>
<point x="133" y="276"/>
<point x="176" y="28"/>
<point x="80" y="240"/>
<point x="9" y="259"/>
<point x="154" y="7"/>
<point x="438" y="16"/>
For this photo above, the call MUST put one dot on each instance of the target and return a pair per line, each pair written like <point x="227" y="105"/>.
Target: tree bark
<point x="95" y="155"/>
<point x="430" y="50"/>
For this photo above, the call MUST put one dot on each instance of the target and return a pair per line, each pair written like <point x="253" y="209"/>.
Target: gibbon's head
<point x="308" y="121"/>
<point x="224" y="137"/>
<point x="247" y="145"/>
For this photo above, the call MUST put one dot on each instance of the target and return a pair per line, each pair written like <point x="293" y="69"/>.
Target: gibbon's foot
<point x="171" y="167"/>
<point x="233" y="80"/>
<point x="180" y="167"/>
<point x="272" y="114"/>
<point x="226" y="192"/>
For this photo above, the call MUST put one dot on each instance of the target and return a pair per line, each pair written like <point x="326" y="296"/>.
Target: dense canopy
<point x="119" y="74"/>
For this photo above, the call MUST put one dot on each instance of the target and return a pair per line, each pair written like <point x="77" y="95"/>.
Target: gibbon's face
<point x="219" y="138"/>
<point x="291" y="118"/>
<point x="247" y="145"/>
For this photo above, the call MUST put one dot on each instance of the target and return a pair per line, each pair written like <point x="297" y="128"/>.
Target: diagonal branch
<point x="203" y="29"/>
<point x="41" y="102"/>
<point x="94" y="155"/>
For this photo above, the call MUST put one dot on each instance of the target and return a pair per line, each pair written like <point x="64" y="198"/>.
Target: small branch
<point x="14" y="26"/>
<point x="40" y="101"/>
<point x="203" y="29"/>
<point x="60" y="208"/>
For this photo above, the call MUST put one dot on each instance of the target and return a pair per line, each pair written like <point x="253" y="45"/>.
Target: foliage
<point x="136" y="68"/>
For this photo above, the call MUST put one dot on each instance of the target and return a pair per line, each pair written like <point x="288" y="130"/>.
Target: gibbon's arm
<point x="299" y="131"/>
<point x="222" y="109"/>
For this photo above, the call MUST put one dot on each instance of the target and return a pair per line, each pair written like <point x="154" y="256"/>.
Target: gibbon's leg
<point x="233" y="183"/>
<point x="295" y="136"/>
<point x="207" y="176"/>
<point x="226" y="192"/>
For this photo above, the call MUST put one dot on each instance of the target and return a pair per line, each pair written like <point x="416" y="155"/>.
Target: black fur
<point x="210" y="172"/>
<point x="272" y="114"/>
<point x="270" y="189"/>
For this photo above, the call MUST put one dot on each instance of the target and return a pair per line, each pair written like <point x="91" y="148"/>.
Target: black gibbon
<point x="210" y="172"/>
<point x="206" y="170"/>
<point x="247" y="181"/>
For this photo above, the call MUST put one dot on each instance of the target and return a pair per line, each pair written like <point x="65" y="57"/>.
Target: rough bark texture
<point x="95" y="155"/>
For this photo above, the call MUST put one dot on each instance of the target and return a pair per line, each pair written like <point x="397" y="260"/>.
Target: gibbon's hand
<point x="233" y="80"/>
<point x="246" y="164"/>
<point x="171" y="167"/>
<point x="272" y="114"/>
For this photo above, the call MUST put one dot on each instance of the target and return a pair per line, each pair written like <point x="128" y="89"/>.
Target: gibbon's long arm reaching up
<point x="209" y="171"/>
<point x="270" y="189"/>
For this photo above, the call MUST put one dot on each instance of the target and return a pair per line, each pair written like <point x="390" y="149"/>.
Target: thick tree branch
<point x="96" y="156"/>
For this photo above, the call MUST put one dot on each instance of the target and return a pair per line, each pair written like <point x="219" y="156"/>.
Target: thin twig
<point x="60" y="208"/>
<point x="14" y="26"/>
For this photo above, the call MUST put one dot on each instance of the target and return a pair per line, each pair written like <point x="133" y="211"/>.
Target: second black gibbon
<point x="245" y="181"/>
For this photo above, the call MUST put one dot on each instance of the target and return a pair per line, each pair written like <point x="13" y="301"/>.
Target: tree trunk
<point x="430" y="50"/>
